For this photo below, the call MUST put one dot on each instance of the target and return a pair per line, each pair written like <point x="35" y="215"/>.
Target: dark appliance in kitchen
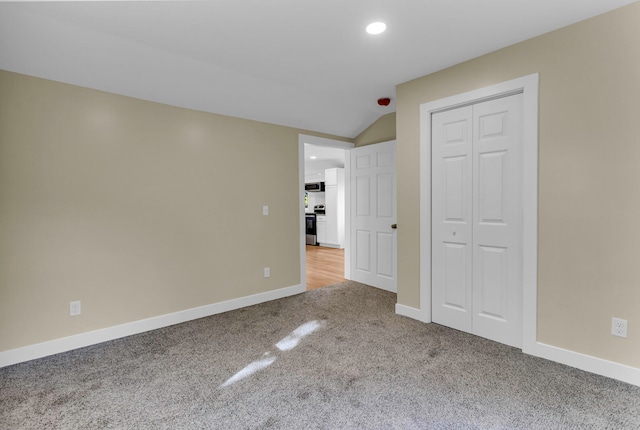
<point x="312" y="238"/>
<point x="311" y="224"/>
<point x="314" y="187"/>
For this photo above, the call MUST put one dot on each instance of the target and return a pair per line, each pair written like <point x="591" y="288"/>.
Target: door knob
<point x="394" y="226"/>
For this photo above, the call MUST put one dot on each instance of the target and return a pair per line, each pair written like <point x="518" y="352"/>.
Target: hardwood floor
<point x="325" y="266"/>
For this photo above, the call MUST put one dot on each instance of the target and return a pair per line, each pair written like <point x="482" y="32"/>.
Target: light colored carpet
<point x="332" y="358"/>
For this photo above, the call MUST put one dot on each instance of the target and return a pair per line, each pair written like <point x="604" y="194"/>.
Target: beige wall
<point x="139" y="209"/>
<point x="382" y="130"/>
<point x="589" y="204"/>
<point x="135" y="208"/>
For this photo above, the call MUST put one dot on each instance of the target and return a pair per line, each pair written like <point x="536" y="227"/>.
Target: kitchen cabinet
<point x="331" y="177"/>
<point x="321" y="229"/>
<point x="335" y="208"/>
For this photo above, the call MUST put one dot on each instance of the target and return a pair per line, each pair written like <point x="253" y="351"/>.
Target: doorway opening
<point x="324" y="197"/>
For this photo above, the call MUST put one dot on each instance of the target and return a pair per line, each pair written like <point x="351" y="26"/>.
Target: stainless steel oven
<point x="312" y="238"/>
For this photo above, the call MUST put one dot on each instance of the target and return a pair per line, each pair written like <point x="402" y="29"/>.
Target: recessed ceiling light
<point x="313" y="157"/>
<point x="376" y="27"/>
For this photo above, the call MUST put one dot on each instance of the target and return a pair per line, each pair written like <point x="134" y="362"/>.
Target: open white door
<point x="373" y="215"/>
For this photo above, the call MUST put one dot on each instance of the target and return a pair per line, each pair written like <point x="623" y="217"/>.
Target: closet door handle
<point x="394" y="226"/>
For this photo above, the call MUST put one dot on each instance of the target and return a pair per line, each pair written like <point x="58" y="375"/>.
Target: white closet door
<point x="452" y="185"/>
<point x="497" y="220"/>
<point x="477" y="219"/>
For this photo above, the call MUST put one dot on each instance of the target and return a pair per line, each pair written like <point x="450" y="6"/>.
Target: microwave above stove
<point x="314" y="187"/>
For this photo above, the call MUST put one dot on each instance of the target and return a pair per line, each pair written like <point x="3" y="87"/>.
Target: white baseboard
<point x="331" y="245"/>
<point x="81" y="340"/>
<point x="408" y="311"/>
<point x="599" y="366"/>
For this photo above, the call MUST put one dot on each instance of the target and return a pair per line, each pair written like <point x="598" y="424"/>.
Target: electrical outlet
<point x="267" y="272"/>
<point x="265" y="210"/>
<point x="74" y="308"/>
<point x="619" y="327"/>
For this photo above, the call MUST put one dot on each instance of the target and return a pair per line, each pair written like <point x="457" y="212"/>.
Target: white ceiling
<point x="317" y="158"/>
<point x="301" y="63"/>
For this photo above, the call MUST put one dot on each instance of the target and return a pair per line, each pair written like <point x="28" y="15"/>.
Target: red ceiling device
<point x="384" y="101"/>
